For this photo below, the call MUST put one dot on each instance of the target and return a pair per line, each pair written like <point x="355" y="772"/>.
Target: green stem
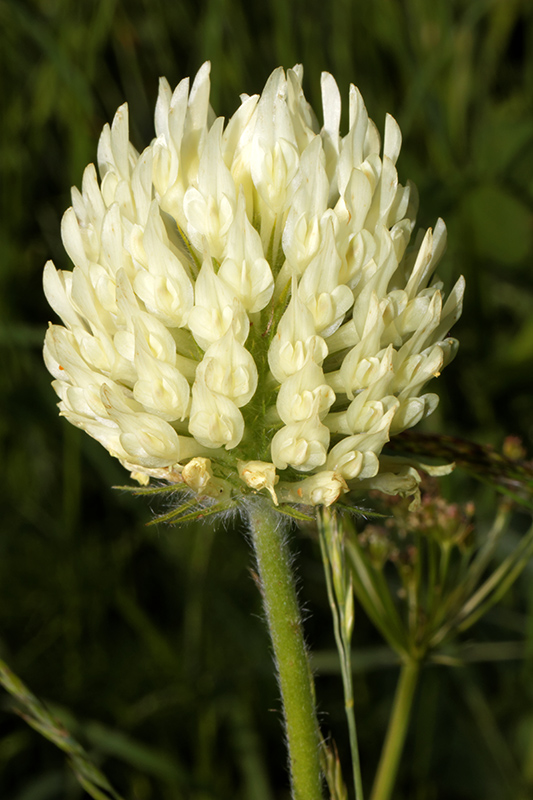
<point x="352" y="729"/>
<point x="325" y="518"/>
<point x="396" y="733"/>
<point x="284" y="621"/>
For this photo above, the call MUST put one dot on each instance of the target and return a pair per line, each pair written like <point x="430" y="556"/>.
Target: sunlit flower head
<point x="245" y="314"/>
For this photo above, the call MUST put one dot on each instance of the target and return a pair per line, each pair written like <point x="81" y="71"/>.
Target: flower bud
<point x="259" y="475"/>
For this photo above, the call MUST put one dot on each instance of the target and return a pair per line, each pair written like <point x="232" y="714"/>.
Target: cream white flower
<point x="259" y="475"/>
<point x="244" y="310"/>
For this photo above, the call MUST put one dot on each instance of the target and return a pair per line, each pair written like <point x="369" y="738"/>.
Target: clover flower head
<point x="245" y="313"/>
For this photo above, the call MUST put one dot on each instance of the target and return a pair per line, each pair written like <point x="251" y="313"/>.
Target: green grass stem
<point x="397" y="731"/>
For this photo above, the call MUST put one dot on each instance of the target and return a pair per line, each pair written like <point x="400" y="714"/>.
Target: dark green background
<point x="151" y="637"/>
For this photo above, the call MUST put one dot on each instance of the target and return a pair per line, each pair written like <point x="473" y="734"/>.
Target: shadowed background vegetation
<point x="146" y="642"/>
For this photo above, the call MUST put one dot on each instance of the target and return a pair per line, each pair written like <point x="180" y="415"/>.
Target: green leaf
<point x="33" y="711"/>
<point x="500" y="224"/>
<point x="521" y="348"/>
<point x="296" y="513"/>
<point x="501" y="135"/>
<point x="149" y="490"/>
<point x="178" y="513"/>
<point x="127" y="749"/>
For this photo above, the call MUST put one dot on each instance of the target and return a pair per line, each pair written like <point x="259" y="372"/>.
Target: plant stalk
<point x="285" y="625"/>
<point x="328" y="522"/>
<point x="396" y="733"/>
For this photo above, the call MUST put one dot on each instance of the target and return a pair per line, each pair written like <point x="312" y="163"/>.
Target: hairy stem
<point x="285" y="625"/>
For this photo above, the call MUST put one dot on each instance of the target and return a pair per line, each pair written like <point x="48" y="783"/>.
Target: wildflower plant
<point x="245" y="314"/>
<point x="247" y="323"/>
<point x="424" y="576"/>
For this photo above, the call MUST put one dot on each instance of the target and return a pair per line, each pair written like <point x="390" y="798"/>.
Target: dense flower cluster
<point x="244" y="313"/>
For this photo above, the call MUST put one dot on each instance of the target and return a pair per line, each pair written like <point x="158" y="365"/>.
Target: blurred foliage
<point x="146" y="642"/>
